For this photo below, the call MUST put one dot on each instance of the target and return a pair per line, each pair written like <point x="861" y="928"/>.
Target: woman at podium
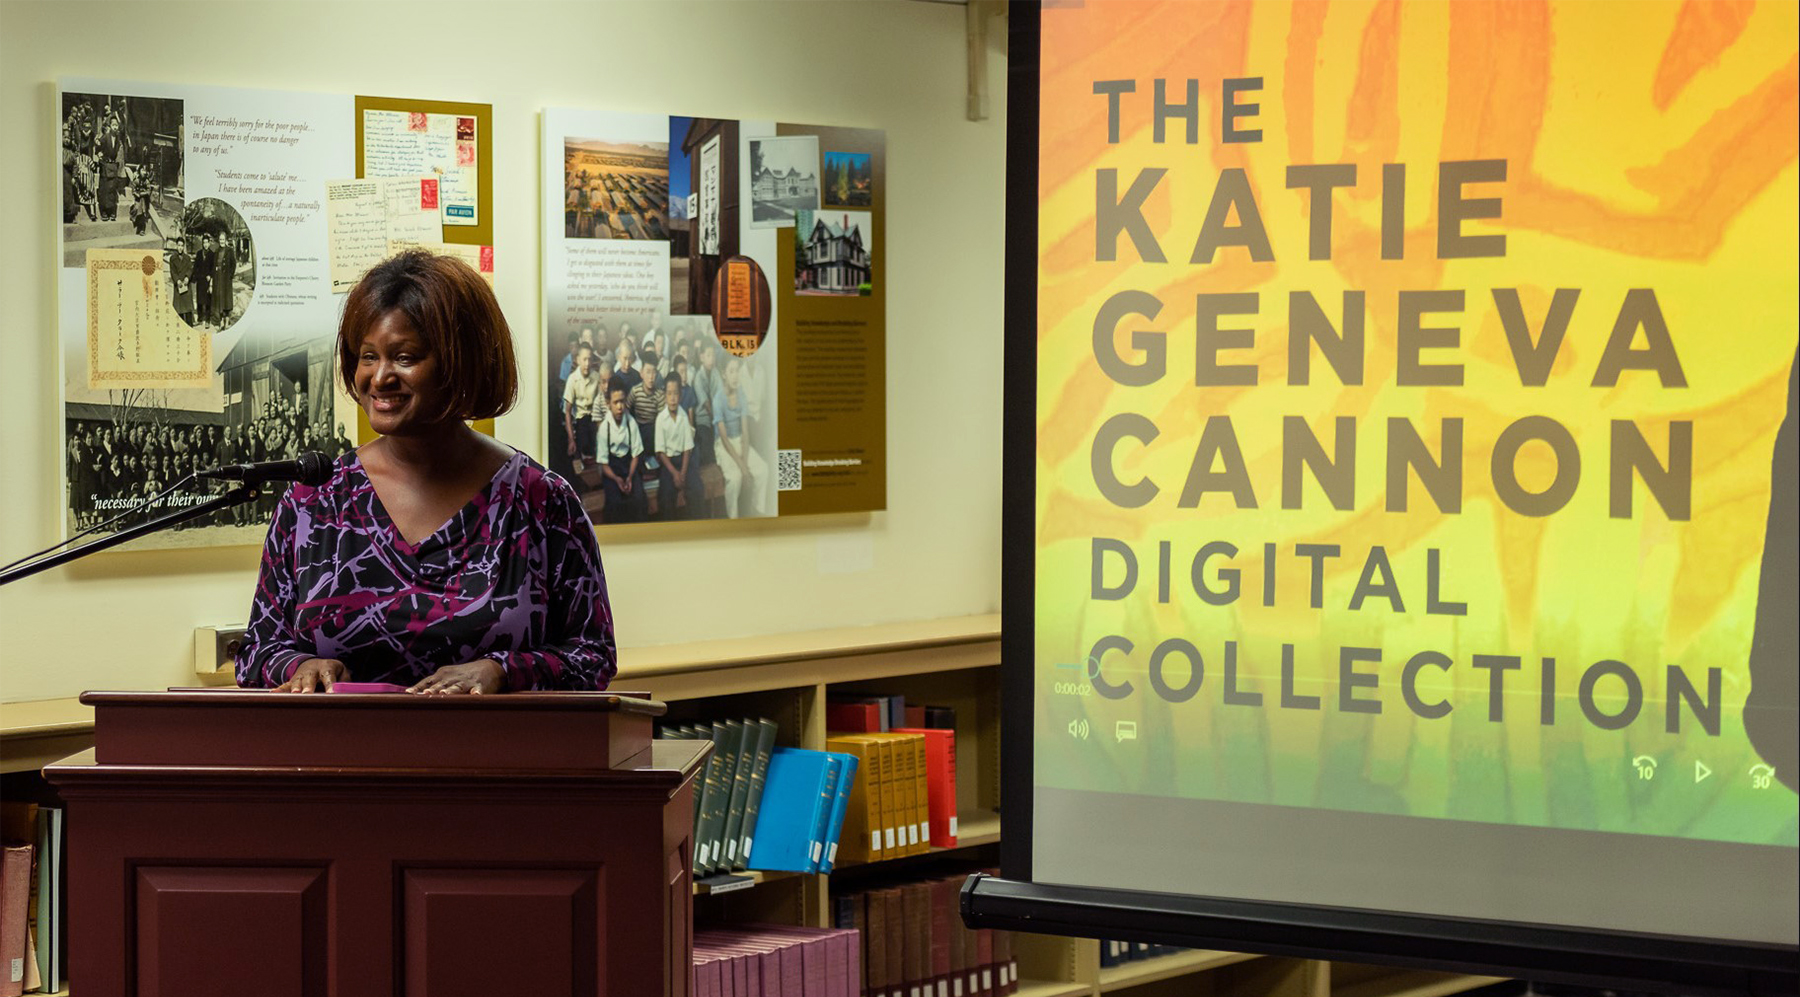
<point x="435" y="557"/>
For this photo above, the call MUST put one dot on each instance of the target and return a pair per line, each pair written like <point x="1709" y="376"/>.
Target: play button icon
<point x="1701" y="771"/>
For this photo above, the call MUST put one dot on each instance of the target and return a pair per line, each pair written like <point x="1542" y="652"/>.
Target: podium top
<point x="540" y="731"/>
<point x="605" y="701"/>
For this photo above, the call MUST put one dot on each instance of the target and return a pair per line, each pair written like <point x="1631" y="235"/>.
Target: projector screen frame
<point x="1551" y="953"/>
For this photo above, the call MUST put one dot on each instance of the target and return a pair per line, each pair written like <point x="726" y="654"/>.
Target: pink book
<point x="766" y="953"/>
<point x="757" y="970"/>
<point x="826" y="958"/>
<point x="793" y="967"/>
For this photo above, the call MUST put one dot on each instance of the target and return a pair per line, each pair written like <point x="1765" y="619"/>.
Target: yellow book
<point x="906" y="769"/>
<point x="860" y="840"/>
<point x="890" y="804"/>
<point x="921" y="791"/>
<point x="908" y="796"/>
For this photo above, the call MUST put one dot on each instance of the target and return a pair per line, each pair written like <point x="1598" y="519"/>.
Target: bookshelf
<point x="953" y="662"/>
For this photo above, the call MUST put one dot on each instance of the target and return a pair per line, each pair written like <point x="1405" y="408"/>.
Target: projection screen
<point x="1402" y="499"/>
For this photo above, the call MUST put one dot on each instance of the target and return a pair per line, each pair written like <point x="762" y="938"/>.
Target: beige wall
<point x="126" y="620"/>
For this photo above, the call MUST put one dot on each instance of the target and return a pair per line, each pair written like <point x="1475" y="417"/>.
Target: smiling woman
<point x="434" y="557"/>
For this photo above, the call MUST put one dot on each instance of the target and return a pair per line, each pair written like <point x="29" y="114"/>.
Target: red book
<point x="940" y="779"/>
<point x="944" y="896"/>
<point x="857" y="718"/>
<point x="984" y="958"/>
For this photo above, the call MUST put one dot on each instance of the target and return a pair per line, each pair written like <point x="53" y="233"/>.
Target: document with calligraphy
<point x="135" y="339"/>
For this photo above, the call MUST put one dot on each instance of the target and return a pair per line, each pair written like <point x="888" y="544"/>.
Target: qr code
<point x="787" y="470"/>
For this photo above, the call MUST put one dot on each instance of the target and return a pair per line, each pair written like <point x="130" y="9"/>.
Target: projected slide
<point x="1416" y="414"/>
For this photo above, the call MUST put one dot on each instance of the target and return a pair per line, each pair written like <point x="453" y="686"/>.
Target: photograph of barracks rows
<point x="615" y="190"/>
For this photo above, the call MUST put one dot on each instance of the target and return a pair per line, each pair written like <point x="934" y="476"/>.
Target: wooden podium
<point x="239" y="842"/>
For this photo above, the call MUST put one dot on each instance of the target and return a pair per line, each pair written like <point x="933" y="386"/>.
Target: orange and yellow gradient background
<point x="1649" y="145"/>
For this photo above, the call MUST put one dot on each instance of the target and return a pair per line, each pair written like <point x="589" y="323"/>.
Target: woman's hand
<point x="476" y="677"/>
<point x="320" y="672"/>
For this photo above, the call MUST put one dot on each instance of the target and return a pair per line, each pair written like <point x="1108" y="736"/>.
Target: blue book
<point x="835" y="826"/>
<point x="798" y="793"/>
<point x="815" y="849"/>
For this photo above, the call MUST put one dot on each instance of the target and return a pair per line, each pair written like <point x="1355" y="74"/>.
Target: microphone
<point x="310" y="468"/>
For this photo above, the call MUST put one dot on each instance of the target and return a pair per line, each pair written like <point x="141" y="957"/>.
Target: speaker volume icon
<point x="1078" y="728"/>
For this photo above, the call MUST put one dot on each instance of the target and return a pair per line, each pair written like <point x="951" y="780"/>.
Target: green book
<point x="703" y="798"/>
<point x="759" y="770"/>
<point x="718" y="796"/>
<point x="744" y="759"/>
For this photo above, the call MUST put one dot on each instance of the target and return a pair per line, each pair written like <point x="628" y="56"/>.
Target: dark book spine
<point x="759" y="772"/>
<point x="743" y="753"/>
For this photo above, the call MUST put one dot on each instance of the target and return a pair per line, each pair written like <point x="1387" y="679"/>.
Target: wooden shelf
<point x="35" y="734"/>
<point x="1164" y="967"/>
<point x="1052" y="988"/>
<point x="757" y="877"/>
<point x="980" y="829"/>
<point x="787" y="649"/>
<point x="1414" y="983"/>
<point x="983" y="829"/>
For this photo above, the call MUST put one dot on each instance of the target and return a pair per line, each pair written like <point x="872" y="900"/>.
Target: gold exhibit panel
<point x="834" y="332"/>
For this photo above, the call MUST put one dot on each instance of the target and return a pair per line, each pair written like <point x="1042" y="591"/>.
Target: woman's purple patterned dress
<point x="514" y="576"/>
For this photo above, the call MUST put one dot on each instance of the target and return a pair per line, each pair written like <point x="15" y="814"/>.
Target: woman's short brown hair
<point x="452" y="307"/>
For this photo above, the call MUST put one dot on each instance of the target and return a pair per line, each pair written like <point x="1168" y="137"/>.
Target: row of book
<point x="1114" y="952"/>
<point x="771" y="960"/>
<point x="852" y="711"/>
<point x="728" y="800"/>
<point x="880" y="790"/>
<point x="908" y="755"/>
<point x="804" y="805"/>
<point x="33" y="956"/>
<point x="763" y="807"/>
<point x="907" y="800"/>
<point x="915" y="944"/>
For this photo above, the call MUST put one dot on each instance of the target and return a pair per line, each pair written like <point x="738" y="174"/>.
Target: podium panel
<point x="278" y="916"/>
<point x="570" y="876"/>
<point x="503" y="930"/>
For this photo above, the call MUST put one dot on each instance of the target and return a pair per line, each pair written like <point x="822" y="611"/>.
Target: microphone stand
<point x="236" y="496"/>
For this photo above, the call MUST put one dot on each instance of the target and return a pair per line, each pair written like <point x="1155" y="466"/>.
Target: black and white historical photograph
<point x="277" y="401"/>
<point x="212" y="265"/>
<point x="122" y="184"/>
<point x="784" y="178"/>
<point x="832" y="252"/>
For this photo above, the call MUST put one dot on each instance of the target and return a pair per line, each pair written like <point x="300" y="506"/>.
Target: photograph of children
<point x="639" y="459"/>
<point x="784" y="178"/>
<point x="212" y="265"/>
<point x="832" y="252"/>
<point x="849" y="180"/>
<point x="615" y="190"/>
<point x="122" y="172"/>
